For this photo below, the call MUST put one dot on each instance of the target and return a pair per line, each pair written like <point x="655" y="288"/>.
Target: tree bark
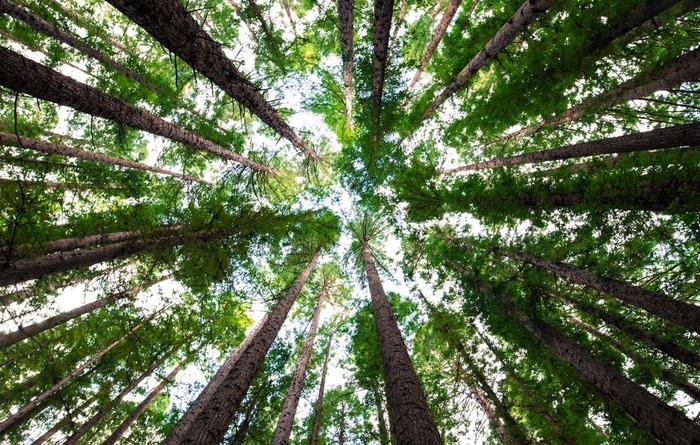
<point x="414" y="423"/>
<point x="685" y="314"/>
<point x="346" y="18"/>
<point x="9" y="339"/>
<point x="131" y="418"/>
<point x="383" y="10"/>
<point x="63" y="422"/>
<point x="679" y="135"/>
<point x="286" y="420"/>
<point x="525" y="15"/>
<point x="8" y="139"/>
<point x="26" y="76"/>
<point x="381" y="418"/>
<point x="21" y="413"/>
<point x="212" y="421"/>
<point x="663" y="422"/>
<point x="185" y="38"/>
<point x="318" y="406"/>
<point x="447" y="16"/>
<point x="685" y="68"/>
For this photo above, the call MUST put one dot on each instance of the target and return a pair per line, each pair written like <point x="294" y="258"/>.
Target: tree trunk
<point x="185" y="38"/>
<point x="685" y="314"/>
<point x="119" y="432"/>
<point x="318" y="407"/>
<point x="64" y="422"/>
<point x="525" y="15"/>
<point x="679" y="135"/>
<point x="403" y="7"/>
<point x="47" y="84"/>
<point x="381" y="418"/>
<point x="27" y="408"/>
<point x="288" y="11"/>
<point x="663" y="422"/>
<point x="244" y="426"/>
<point x="213" y="419"/>
<point x="647" y="337"/>
<point x="66" y="244"/>
<point x="286" y="420"/>
<point x="414" y="423"/>
<point x="447" y="16"/>
<point x="24" y="332"/>
<point x="685" y="68"/>
<point x="383" y="10"/>
<point x="341" y="426"/>
<point x="47" y="28"/>
<point x="346" y="18"/>
<point x="8" y="139"/>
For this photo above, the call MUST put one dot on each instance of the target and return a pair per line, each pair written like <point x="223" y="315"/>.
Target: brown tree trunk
<point x="403" y="8"/>
<point x="21" y="413"/>
<point x="447" y="16"/>
<point x="47" y="28"/>
<point x="679" y="135"/>
<point x="185" y="38"/>
<point x="119" y="432"/>
<point x="210" y="425"/>
<point x="64" y="422"/>
<point x="381" y="418"/>
<point x="288" y="11"/>
<point x="318" y="406"/>
<point x="24" y="332"/>
<point x="413" y="422"/>
<point x="8" y="139"/>
<point x="685" y="68"/>
<point x="525" y="15"/>
<point x="346" y="25"/>
<point x="383" y="10"/>
<point x="685" y="314"/>
<point x="47" y="84"/>
<point x="663" y="422"/>
<point x="286" y="420"/>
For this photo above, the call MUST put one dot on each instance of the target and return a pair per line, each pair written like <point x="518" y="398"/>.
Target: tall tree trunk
<point x="414" y="423"/>
<point x="24" y="332"/>
<point x="213" y="419"/>
<point x="66" y="244"/>
<point x="26" y="76"/>
<point x="21" y="413"/>
<point x="47" y="28"/>
<point x="679" y="135"/>
<point x="318" y="406"/>
<point x="447" y="16"/>
<point x="185" y="38"/>
<point x="341" y="425"/>
<point x="64" y="422"/>
<point x="8" y="139"/>
<point x="286" y="420"/>
<point x="131" y="418"/>
<point x="525" y="15"/>
<point x="663" y="422"/>
<point x="403" y="8"/>
<point x="242" y="430"/>
<point x="288" y="11"/>
<point x="346" y="25"/>
<point x="381" y="417"/>
<point x="647" y="337"/>
<point x="383" y="10"/>
<point x="680" y="312"/>
<point x="685" y="68"/>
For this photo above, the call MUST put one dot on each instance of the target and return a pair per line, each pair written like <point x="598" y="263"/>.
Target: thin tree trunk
<point x="8" y="139"/>
<point x="383" y="10"/>
<point x="288" y="10"/>
<point x="685" y="314"/>
<point x="185" y="38"/>
<point x="381" y="417"/>
<point x="64" y="422"/>
<point x="243" y="428"/>
<point x="447" y="16"/>
<point x="66" y="244"/>
<point x="47" y="28"/>
<point x="679" y="135"/>
<point x="403" y="8"/>
<point x="318" y="406"/>
<point x="341" y="426"/>
<point x="525" y="15"/>
<point x="286" y="420"/>
<point x="413" y="421"/>
<point x="24" y="332"/>
<point x="47" y="84"/>
<point x="663" y="422"/>
<point x="346" y="18"/>
<point x="21" y="413"/>
<point x="126" y="424"/>
<point x="685" y="68"/>
<point x="212" y="421"/>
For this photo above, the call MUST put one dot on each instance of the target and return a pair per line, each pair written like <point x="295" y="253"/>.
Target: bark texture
<point x="8" y="139"/>
<point x="346" y="25"/>
<point x="526" y="14"/>
<point x="47" y="84"/>
<point x="318" y="406"/>
<point x="680" y="135"/>
<point x="412" y="419"/>
<point x="383" y="10"/>
<point x="680" y="312"/>
<point x="663" y="422"/>
<point x="171" y="25"/>
<point x="212" y="422"/>
<point x="286" y="420"/>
